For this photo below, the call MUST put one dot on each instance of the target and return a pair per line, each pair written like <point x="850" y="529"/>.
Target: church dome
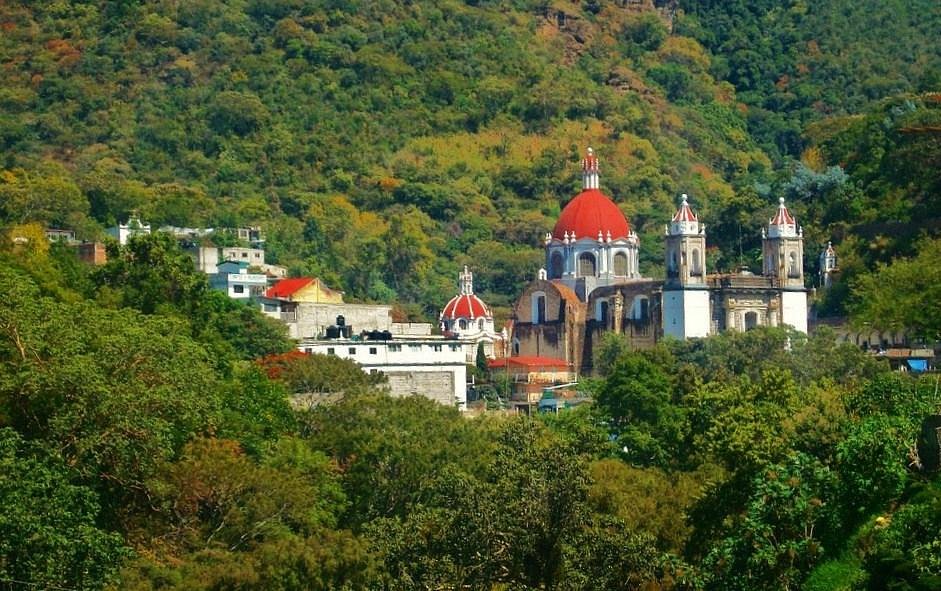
<point x="465" y="304"/>
<point x="590" y="212"/>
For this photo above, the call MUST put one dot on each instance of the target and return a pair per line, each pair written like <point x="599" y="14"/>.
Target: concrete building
<point x="431" y="367"/>
<point x="253" y="256"/>
<point x="234" y="279"/>
<point x="591" y="284"/>
<point x="133" y="227"/>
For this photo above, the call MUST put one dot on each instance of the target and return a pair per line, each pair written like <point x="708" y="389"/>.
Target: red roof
<point x="530" y="362"/>
<point x="465" y="306"/>
<point x="288" y="287"/>
<point x="588" y="213"/>
<point x="783" y="217"/>
<point x="685" y="213"/>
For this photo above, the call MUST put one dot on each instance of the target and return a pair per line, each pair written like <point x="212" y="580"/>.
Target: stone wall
<point x="312" y="320"/>
<point x="436" y="385"/>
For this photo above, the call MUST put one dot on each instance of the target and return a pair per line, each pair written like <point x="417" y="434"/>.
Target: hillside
<point x="383" y="145"/>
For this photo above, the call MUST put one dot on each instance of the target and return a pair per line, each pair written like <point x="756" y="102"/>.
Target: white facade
<point x="122" y="232"/>
<point x="237" y="282"/>
<point x="794" y="309"/>
<point x="434" y="368"/>
<point x="686" y="313"/>
<point x="253" y="256"/>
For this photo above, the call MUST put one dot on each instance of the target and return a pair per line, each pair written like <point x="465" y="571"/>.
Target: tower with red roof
<point x="782" y="253"/>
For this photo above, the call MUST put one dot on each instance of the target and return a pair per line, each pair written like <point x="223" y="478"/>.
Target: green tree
<point x="48" y="532"/>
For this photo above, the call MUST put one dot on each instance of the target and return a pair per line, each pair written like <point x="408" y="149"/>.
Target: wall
<point x="312" y="320"/>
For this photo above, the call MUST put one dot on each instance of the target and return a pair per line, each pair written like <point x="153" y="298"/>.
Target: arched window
<point x="751" y="320"/>
<point x="793" y="268"/>
<point x="480" y="324"/>
<point x="516" y="347"/>
<point x="463" y="324"/>
<point x="697" y="263"/>
<point x="556" y="263"/>
<point x="620" y="264"/>
<point x="586" y="265"/>
<point x="539" y="307"/>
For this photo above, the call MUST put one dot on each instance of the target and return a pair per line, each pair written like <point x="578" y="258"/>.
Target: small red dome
<point x="588" y="213"/>
<point x="465" y="306"/>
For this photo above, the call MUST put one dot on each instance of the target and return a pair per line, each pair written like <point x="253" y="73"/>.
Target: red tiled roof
<point x="783" y="217"/>
<point x="685" y="213"/>
<point x="530" y="362"/>
<point x="288" y="287"/>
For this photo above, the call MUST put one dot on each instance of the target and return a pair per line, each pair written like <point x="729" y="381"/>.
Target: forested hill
<point x="383" y="145"/>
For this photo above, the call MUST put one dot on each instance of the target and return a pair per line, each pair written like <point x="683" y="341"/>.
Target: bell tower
<point x="782" y="253"/>
<point x="685" y="293"/>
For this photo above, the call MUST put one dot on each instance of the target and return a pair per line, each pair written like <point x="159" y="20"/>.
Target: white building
<point x="133" y="227"/>
<point x="234" y="279"/>
<point x="431" y="367"/>
<point x="253" y="256"/>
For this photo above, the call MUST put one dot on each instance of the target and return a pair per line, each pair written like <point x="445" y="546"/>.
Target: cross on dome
<point x="590" y="170"/>
<point x="467" y="281"/>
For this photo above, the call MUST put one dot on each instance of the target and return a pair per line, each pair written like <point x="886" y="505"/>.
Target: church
<point x="591" y="284"/>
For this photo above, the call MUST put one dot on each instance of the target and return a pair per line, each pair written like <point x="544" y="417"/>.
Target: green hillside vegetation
<point x="793" y="62"/>
<point x="141" y="450"/>
<point x="381" y="145"/>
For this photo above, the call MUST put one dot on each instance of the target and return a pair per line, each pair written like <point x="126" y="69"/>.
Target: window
<point x="238" y="289"/>
<point x="516" y="347"/>
<point x="793" y="268"/>
<point x="257" y="255"/>
<point x="414" y="347"/>
<point x="352" y="350"/>
<point x="586" y="265"/>
<point x="463" y="324"/>
<point x="751" y="320"/>
<point x="620" y="264"/>
<point x="539" y="308"/>
<point x="244" y="255"/>
<point x="555" y="265"/>
<point x="454" y="347"/>
<point x="271" y="307"/>
<point x="373" y="351"/>
<point x="330" y="351"/>
<point x="436" y="348"/>
<point x="308" y="350"/>
<point x="480" y="324"/>
<point x="697" y="263"/>
<point x="395" y="348"/>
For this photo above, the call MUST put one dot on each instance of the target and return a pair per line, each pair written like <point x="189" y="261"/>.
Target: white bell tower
<point x="686" y="312"/>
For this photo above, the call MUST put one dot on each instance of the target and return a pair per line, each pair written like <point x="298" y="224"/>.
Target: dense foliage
<point x="141" y="450"/>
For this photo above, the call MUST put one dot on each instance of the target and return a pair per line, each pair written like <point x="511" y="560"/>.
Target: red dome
<point x="589" y="212"/>
<point x="465" y="306"/>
